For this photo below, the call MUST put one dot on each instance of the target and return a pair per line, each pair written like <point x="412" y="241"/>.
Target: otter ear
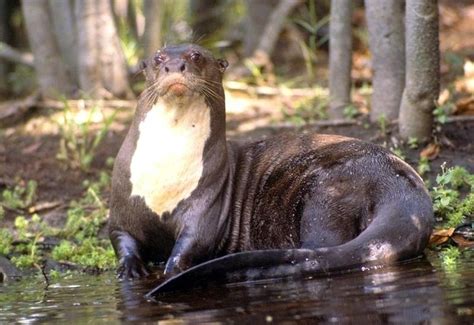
<point x="223" y="64"/>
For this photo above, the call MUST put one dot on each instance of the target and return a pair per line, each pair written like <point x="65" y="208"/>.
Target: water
<point x="420" y="291"/>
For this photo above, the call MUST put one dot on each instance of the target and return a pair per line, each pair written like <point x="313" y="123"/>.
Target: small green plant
<point x="6" y="240"/>
<point x="255" y="70"/>
<point x="413" y="143"/>
<point x="423" y="166"/>
<point x="28" y="232"/>
<point x="85" y="218"/>
<point x="308" y="109"/>
<point x="79" y="237"/>
<point x="312" y="25"/>
<point x="350" y="111"/>
<point x="449" y="257"/>
<point x="398" y="152"/>
<point x="441" y="112"/>
<point x="21" y="196"/>
<point x="79" y="141"/>
<point x="128" y="43"/>
<point x="29" y="254"/>
<point x="307" y="112"/>
<point x="448" y="203"/>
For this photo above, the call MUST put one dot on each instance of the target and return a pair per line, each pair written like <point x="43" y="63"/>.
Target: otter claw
<point x="131" y="267"/>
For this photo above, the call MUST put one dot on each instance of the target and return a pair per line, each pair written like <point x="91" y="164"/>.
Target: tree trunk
<point x="422" y="69"/>
<point x="4" y="31"/>
<point x="340" y="57"/>
<point x="257" y="17"/>
<point x="274" y="26"/>
<point x="64" y="24"/>
<point x="88" y="51"/>
<point x="153" y="10"/>
<point x="102" y="66"/>
<point x="112" y="59"/>
<point x="386" y="43"/>
<point x="50" y="68"/>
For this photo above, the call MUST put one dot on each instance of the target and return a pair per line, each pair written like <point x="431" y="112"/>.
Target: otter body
<point x="292" y="203"/>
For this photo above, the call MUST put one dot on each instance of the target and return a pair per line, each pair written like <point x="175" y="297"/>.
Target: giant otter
<point x="289" y="204"/>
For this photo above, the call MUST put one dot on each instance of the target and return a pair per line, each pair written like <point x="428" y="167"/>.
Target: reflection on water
<point x="412" y="293"/>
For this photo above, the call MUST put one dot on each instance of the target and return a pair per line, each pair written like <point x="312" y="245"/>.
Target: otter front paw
<point x="175" y="265"/>
<point x="131" y="267"/>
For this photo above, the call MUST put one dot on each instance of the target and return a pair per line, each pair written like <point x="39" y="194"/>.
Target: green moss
<point x="24" y="261"/>
<point x="92" y="252"/>
<point x="79" y="237"/>
<point x="27" y="254"/>
<point x="6" y="239"/>
<point x="63" y="252"/>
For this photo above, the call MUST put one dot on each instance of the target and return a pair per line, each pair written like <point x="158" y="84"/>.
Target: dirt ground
<point x="28" y="150"/>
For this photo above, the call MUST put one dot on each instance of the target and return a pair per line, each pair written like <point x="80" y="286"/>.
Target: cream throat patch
<point x="167" y="164"/>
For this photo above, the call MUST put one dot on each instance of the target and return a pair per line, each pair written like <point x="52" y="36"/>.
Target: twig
<point x="6" y="207"/>
<point x="459" y="118"/>
<point x="41" y="206"/>
<point x="14" y="110"/>
<point x="325" y="123"/>
<point x="9" y="53"/>
<point x="270" y="91"/>
<point x="43" y="272"/>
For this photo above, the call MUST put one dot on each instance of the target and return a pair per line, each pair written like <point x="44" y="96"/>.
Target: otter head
<point x="179" y="73"/>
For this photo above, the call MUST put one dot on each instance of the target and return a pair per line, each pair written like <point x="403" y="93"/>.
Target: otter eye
<point x="196" y="57"/>
<point x="159" y="58"/>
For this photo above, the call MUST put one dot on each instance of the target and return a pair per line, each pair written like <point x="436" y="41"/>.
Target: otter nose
<point x="175" y="66"/>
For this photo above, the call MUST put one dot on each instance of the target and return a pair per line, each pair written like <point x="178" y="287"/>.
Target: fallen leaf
<point x="440" y="236"/>
<point x="443" y="96"/>
<point x="430" y="152"/>
<point x="465" y="106"/>
<point x="461" y="241"/>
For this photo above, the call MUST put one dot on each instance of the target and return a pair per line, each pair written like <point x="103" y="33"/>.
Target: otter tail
<point x="396" y="233"/>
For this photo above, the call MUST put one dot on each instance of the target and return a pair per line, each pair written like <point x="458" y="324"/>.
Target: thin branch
<point x="10" y="54"/>
<point x="269" y="91"/>
<point x="274" y="25"/>
<point x="324" y="123"/>
<point x="459" y="118"/>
